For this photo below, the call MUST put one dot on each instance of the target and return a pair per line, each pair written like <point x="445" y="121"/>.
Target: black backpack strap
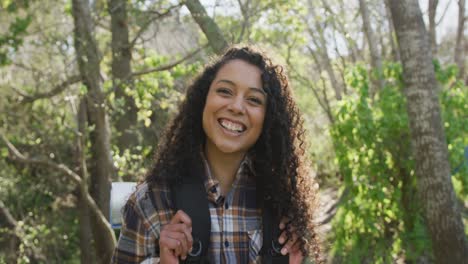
<point x="190" y="196"/>
<point x="271" y="248"/>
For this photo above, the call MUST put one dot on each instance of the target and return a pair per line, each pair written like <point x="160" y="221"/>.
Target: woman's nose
<point x="237" y="105"/>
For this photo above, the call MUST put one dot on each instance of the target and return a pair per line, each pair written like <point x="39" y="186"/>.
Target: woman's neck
<point x="223" y="166"/>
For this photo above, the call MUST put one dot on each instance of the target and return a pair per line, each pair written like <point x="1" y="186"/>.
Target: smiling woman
<point x="239" y="136"/>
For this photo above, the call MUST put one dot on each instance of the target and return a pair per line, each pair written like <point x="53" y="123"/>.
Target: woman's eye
<point x="223" y="91"/>
<point x="256" y="100"/>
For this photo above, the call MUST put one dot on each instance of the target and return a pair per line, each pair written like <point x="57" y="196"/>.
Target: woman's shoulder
<point x="152" y="201"/>
<point x="148" y="194"/>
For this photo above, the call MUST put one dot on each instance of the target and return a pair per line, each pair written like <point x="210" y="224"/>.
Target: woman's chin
<point x="230" y="149"/>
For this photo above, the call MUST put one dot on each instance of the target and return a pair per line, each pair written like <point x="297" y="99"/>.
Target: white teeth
<point x="231" y="126"/>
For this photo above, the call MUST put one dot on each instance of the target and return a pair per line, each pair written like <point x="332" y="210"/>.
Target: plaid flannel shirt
<point x="236" y="228"/>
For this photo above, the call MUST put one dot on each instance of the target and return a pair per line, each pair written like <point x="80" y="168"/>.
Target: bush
<point x="381" y="219"/>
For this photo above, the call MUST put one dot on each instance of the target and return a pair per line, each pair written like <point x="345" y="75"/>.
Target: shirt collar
<point x="212" y="184"/>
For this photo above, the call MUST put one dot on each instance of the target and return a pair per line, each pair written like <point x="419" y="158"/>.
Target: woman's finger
<point x="284" y="222"/>
<point x="289" y="246"/>
<point x="177" y="235"/>
<point x="169" y="242"/>
<point x="284" y="234"/>
<point x="182" y="229"/>
<point x="181" y="217"/>
<point x="168" y="256"/>
<point x="183" y="248"/>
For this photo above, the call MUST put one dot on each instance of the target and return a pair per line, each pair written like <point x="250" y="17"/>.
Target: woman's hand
<point x="291" y="245"/>
<point x="176" y="239"/>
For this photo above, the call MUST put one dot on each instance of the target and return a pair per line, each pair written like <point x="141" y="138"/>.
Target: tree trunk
<point x="126" y="117"/>
<point x="459" y="47"/>
<point x="212" y="32"/>
<point x="427" y="135"/>
<point x="322" y="100"/>
<point x="391" y="31"/>
<point x="376" y="60"/>
<point x="340" y="27"/>
<point x="351" y="43"/>
<point x="246" y="11"/>
<point x="86" y="234"/>
<point x="322" y="47"/>
<point x="86" y="238"/>
<point x="432" y="11"/>
<point x="101" y="161"/>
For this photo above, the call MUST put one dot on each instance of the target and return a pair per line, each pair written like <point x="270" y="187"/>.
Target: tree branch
<point x="209" y="27"/>
<point x="150" y="20"/>
<point x="443" y="13"/>
<point x="6" y="217"/>
<point x="28" y="98"/>
<point x="169" y="65"/>
<point x="246" y="14"/>
<point x="95" y="211"/>
<point x="20" y="157"/>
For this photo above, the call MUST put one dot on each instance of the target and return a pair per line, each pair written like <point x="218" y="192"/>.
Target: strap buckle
<point x="196" y="248"/>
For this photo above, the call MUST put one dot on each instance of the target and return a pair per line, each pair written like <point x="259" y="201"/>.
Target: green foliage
<point x="13" y="38"/>
<point x="380" y="220"/>
<point x="156" y="96"/>
<point x="40" y="199"/>
<point x="12" y="6"/>
<point x="454" y="109"/>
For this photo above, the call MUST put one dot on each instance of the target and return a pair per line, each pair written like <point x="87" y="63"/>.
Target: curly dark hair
<point x="283" y="180"/>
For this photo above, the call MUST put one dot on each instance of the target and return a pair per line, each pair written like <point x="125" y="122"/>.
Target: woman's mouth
<point x="232" y="126"/>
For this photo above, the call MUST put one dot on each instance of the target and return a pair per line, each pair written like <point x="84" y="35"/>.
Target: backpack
<point x="190" y="197"/>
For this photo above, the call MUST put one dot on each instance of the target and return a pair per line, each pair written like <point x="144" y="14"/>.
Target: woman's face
<point x="235" y="108"/>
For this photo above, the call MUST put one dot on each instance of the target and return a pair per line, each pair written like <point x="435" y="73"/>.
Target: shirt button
<point x="226" y="243"/>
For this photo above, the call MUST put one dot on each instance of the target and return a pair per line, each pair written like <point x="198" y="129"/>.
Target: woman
<point x="240" y="130"/>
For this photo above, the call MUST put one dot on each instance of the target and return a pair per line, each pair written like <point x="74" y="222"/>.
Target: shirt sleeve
<point x="136" y="243"/>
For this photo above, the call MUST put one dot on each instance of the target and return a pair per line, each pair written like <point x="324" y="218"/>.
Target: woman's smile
<point x="232" y="126"/>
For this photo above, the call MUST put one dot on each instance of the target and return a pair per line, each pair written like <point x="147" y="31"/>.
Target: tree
<point x="126" y="118"/>
<point x="212" y="32"/>
<point x="427" y="135"/>
<point x="318" y="37"/>
<point x="86" y="233"/>
<point x="459" y="46"/>
<point x="340" y="26"/>
<point x="101" y="159"/>
<point x="391" y="32"/>
<point x="432" y="10"/>
<point x="376" y="60"/>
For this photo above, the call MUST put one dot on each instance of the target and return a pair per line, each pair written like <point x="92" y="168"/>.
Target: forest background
<point x="86" y="88"/>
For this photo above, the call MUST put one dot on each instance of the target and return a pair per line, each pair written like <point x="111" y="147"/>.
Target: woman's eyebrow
<point x="255" y="89"/>
<point x="227" y="81"/>
<point x="258" y="90"/>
